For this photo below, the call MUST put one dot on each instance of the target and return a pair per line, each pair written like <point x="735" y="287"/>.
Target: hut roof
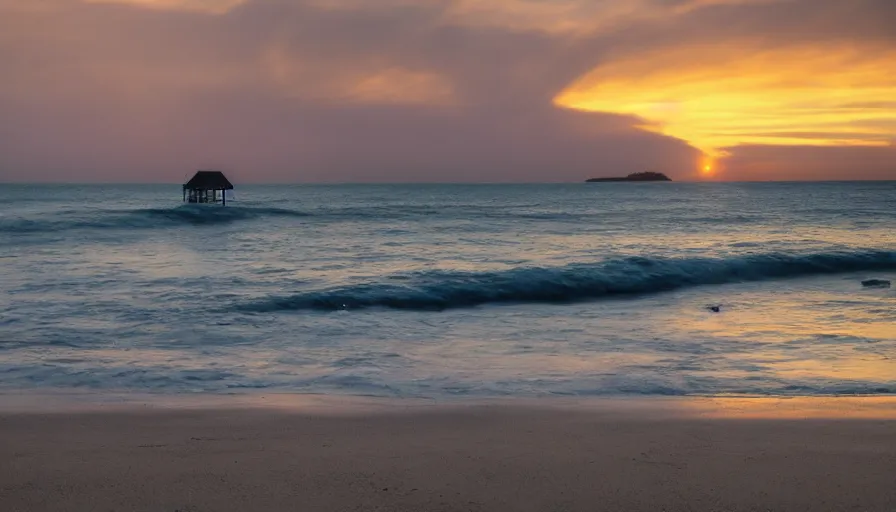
<point x="209" y="180"/>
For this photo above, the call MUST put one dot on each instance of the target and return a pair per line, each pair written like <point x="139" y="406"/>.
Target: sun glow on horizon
<point x="706" y="166"/>
<point x="717" y="98"/>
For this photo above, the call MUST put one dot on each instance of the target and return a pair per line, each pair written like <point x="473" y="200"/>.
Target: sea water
<point x="451" y="290"/>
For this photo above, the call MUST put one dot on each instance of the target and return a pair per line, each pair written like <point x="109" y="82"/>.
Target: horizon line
<point x="332" y="183"/>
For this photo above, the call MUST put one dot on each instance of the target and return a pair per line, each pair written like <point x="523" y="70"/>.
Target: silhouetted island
<point x="638" y="176"/>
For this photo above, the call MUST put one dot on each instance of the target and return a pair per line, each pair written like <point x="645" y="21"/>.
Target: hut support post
<point x="223" y="197"/>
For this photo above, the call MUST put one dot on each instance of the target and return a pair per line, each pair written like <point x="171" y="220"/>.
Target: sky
<point x="446" y="90"/>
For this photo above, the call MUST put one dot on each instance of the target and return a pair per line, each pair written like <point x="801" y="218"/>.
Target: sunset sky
<point x="447" y="90"/>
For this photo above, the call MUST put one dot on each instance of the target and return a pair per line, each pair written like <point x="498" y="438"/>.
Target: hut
<point x="203" y="187"/>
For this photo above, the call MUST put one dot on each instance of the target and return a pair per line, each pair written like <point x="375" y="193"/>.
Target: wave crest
<point x="144" y="218"/>
<point x="440" y="290"/>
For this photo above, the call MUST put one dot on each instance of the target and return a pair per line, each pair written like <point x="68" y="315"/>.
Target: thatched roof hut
<point x="203" y="187"/>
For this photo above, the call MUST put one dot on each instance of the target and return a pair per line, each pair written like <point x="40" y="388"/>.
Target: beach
<point x="326" y="453"/>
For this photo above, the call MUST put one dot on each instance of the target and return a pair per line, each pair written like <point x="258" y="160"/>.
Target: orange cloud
<point x="401" y="86"/>
<point x="554" y="17"/>
<point x="355" y="82"/>
<point x="720" y="97"/>
<point x="204" y="6"/>
<point x="572" y="17"/>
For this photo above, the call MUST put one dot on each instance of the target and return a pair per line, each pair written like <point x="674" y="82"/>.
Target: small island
<point x="638" y="176"/>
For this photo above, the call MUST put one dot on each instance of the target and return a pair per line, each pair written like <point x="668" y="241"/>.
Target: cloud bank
<point x="446" y="90"/>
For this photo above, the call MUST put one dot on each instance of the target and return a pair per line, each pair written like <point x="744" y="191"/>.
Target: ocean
<point x="442" y="291"/>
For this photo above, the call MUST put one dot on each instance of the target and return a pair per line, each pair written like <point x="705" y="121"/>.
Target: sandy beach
<point x="329" y="454"/>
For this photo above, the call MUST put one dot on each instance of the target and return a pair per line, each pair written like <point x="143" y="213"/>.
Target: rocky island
<point x="638" y="176"/>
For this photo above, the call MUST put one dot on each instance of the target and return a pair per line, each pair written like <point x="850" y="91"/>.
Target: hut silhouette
<point x="203" y="187"/>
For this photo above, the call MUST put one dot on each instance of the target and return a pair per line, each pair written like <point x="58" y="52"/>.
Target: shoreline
<point x="646" y="406"/>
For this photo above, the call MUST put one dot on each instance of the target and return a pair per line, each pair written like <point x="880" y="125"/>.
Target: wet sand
<point x="356" y="455"/>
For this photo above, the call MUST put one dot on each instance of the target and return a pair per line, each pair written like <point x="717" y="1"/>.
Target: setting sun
<point x="706" y="166"/>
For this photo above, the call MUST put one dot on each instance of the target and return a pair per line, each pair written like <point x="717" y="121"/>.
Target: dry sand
<point x="684" y="455"/>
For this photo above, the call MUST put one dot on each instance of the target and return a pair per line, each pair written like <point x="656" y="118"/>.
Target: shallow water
<point x="452" y="290"/>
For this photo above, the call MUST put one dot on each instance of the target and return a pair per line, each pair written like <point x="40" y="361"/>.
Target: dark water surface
<point x="446" y="290"/>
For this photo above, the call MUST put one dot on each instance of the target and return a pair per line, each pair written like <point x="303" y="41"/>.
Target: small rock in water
<point x="876" y="283"/>
<point x="715" y="309"/>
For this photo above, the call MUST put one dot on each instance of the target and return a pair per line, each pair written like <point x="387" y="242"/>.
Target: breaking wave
<point x="440" y="290"/>
<point x="142" y="218"/>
